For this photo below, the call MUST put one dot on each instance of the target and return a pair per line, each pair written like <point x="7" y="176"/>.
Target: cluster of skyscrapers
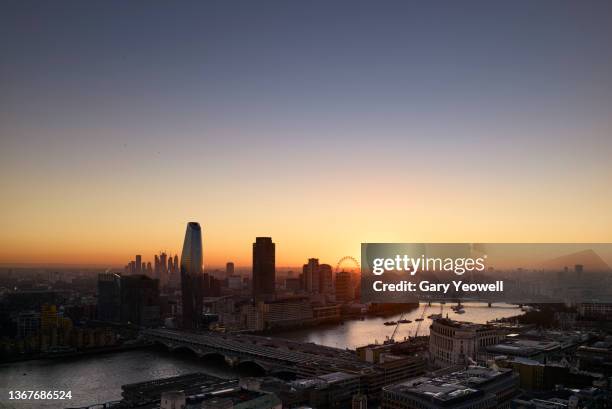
<point x="165" y="268"/>
<point x="317" y="278"/>
<point x="187" y="274"/>
<point x="192" y="283"/>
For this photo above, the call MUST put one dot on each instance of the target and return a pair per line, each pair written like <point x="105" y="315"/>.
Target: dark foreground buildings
<point x="130" y="299"/>
<point x="140" y="300"/>
<point x="264" y="268"/>
<point x="191" y="276"/>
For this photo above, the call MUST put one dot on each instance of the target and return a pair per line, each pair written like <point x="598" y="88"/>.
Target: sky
<point x="321" y="124"/>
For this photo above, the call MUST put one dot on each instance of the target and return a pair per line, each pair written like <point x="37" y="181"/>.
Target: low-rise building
<point x="458" y="343"/>
<point x="472" y="388"/>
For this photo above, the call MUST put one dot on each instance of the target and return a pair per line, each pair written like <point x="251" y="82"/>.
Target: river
<point x="98" y="378"/>
<point x="356" y="333"/>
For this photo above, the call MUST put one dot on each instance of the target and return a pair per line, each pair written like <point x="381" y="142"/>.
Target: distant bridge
<point x="271" y="354"/>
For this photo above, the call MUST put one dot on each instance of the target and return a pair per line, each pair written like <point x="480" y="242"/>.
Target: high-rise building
<point x="229" y="269"/>
<point x="326" y="285"/>
<point x="264" y="268"/>
<point x="311" y="275"/>
<point x="138" y="263"/>
<point x="140" y="303"/>
<point x="163" y="262"/>
<point x="191" y="276"/>
<point x="344" y="287"/>
<point x="109" y="297"/>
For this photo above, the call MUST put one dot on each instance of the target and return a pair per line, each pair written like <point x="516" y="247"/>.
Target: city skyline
<point x="323" y="126"/>
<point x="282" y="204"/>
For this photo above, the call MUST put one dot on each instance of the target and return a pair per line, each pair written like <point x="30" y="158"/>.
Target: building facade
<point x="264" y="268"/>
<point x="458" y="343"/>
<point x="191" y="277"/>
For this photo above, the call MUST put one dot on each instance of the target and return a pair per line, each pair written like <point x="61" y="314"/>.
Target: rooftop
<point x="434" y="389"/>
<point x="457" y="385"/>
<point x="462" y="324"/>
<point x="524" y="347"/>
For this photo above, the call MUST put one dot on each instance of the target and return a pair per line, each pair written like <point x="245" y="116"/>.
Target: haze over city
<point x="320" y="125"/>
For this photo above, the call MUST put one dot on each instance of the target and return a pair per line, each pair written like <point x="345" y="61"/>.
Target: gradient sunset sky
<point x="320" y="124"/>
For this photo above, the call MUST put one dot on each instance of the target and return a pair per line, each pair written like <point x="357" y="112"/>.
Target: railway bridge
<point x="271" y="354"/>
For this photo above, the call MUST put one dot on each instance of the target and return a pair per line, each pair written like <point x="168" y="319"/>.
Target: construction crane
<point x="396" y="327"/>
<point x="420" y="320"/>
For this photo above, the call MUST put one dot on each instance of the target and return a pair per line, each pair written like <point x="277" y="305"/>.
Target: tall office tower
<point x="176" y="263"/>
<point x="170" y="265"/>
<point x="191" y="276"/>
<point x="149" y="269"/>
<point x="326" y="284"/>
<point x="311" y="275"/>
<point x="229" y="269"/>
<point x="264" y="268"/>
<point x="163" y="263"/>
<point x="156" y="266"/>
<point x="345" y="291"/>
<point x="138" y="263"/>
<point x="140" y="303"/>
<point x="109" y="297"/>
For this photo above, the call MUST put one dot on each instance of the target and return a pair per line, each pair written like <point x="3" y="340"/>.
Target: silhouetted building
<point x="138" y="263"/>
<point x="229" y="269"/>
<point x="140" y="300"/>
<point x="293" y="284"/>
<point x="311" y="275"/>
<point x="109" y="297"/>
<point x="344" y="287"/>
<point x="191" y="276"/>
<point x="264" y="268"/>
<point x="211" y="286"/>
<point x="326" y="285"/>
<point x="170" y="265"/>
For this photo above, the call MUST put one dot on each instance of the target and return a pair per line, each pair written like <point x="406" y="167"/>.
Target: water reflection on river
<point x="355" y="333"/>
<point x="98" y="378"/>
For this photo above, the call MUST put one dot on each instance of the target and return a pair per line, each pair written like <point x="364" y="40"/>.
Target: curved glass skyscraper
<point x="191" y="276"/>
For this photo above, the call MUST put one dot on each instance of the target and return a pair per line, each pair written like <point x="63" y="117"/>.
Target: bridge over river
<point x="271" y="354"/>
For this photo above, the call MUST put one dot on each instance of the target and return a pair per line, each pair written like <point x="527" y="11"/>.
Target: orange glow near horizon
<point x="408" y="122"/>
<point x="89" y="234"/>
